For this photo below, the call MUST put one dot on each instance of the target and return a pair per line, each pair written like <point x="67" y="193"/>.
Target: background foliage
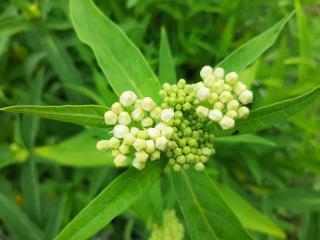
<point x="50" y="171"/>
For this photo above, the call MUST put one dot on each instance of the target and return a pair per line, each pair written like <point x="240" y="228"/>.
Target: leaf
<point x="167" y="72"/>
<point x="253" y="49"/>
<point x="91" y="115"/>
<point x="246" y="138"/>
<point x="250" y="217"/>
<point x="120" y="60"/>
<point x="7" y="156"/>
<point x="206" y="214"/>
<point x="17" y="223"/>
<point x="267" y="116"/>
<point x="69" y="153"/>
<point x="112" y="201"/>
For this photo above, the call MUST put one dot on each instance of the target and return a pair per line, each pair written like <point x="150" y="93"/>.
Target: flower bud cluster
<point x="222" y="97"/>
<point x="179" y="126"/>
<point x="190" y="144"/>
<point x="138" y="130"/>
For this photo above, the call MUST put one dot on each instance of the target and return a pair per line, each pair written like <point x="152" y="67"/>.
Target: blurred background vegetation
<point x="43" y="62"/>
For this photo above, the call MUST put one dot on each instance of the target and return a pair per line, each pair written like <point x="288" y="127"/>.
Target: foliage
<point x="262" y="184"/>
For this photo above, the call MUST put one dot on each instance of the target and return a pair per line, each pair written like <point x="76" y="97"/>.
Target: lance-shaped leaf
<point x="120" y="60"/>
<point x="69" y="153"/>
<point x="253" y="49"/>
<point x="91" y="115"/>
<point x="112" y="201"/>
<point x="167" y="72"/>
<point x="206" y="214"/>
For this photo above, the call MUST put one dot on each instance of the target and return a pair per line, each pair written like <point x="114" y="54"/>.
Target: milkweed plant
<point x="164" y="132"/>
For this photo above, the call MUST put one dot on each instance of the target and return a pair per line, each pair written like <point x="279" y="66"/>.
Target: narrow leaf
<point x="91" y="115"/>
<point x="206" y="214"/>
<point x="69" y="153"/>
<point x="112" y="201"/>
<point x="253" y="49"/>
<point x="267" y="116"/>
<point x="246" y="138"/>
<point x="18" y="224"/>
<point x="167" y="72"/>
<point x="248" y="215"/>
<point x="120" y="60"/>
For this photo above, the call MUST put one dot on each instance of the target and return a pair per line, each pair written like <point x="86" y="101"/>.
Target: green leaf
<point x="7" y="156"/>
<point x="267" y="116"/>
<point x="250" y="217"/>
<point x="112" y="201"/>
<point x="253" y="49"/>
<point x="120" y="60"/>
<point x="206" y="214"/>
<point x="91" y="115"/>
<point x="69" y="153"/>
<point x="246" y="138"/>
<point x="17" y="223"/>
<point x="167" y="72"/>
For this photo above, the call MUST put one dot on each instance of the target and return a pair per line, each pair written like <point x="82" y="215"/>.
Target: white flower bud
<point x="148" y="104"/>
<point x="138" y="103"/>
<point x="110" y="118"/>
<point x="203" y="93"/>
<point x="139" y="144"/>
<point x="209" y="81"/>
<point x="246" y="97"/>
<point x="124" y="148"/>
<point x="137" y="164"/>
<point x="232" y="114"/>
<point x="198" y="85"/>
<point x="120" y="160"/>
<point x="119" y="131"/>
<point x="155" y="155"/>
<point x="239" y="88"/>
<point x="215" y="115"/>
<point x="137" y="114"/>
<point x="128" y="98"/>
<point x="160" y="126"/>
<point x="134" y="131"/>
<point x="141" y="156"/>
<point x="124" y="118"/>
<point x="218" y="72"/>
<point x="102" y="145"/>
<point x="227" y="87"/>
<point x="150" y="146"/>
<point x="218" y="106"/>
<point x="166" y="86"/>
<point x="176" y="167"/>
<point x="226" y="123"/>
<point x="143" y="134"/>
<point x="161" y="143"/>
<point x="202" y="111"/>
<point x="231" y="78"/>
<point x="153" y="133"/>
<point x="199" y="166"/>
<point x="233" y="105"/>
<point x="225" y="97"/>
<point x="205" y="72"/>
<point x="167" y="132"/>
<point x="114" y="142"/>
<point x="155" y="113"/>
<point x="129" y="139"/>
<point x="146" y="122"/>
<point x="167" y="115"/>
<point x="117" y="107"/>
<point x="243" y="112"/>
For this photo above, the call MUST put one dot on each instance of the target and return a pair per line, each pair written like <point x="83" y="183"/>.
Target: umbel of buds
<point x="179" y="127"/>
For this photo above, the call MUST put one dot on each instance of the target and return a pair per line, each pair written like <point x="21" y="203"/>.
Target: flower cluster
<point x="138" y="129"/>
<point x="179" y="126"/>
<point x="222" y="97"/>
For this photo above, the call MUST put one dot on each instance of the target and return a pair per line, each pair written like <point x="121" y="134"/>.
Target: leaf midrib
<point x="195" y="200"/>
